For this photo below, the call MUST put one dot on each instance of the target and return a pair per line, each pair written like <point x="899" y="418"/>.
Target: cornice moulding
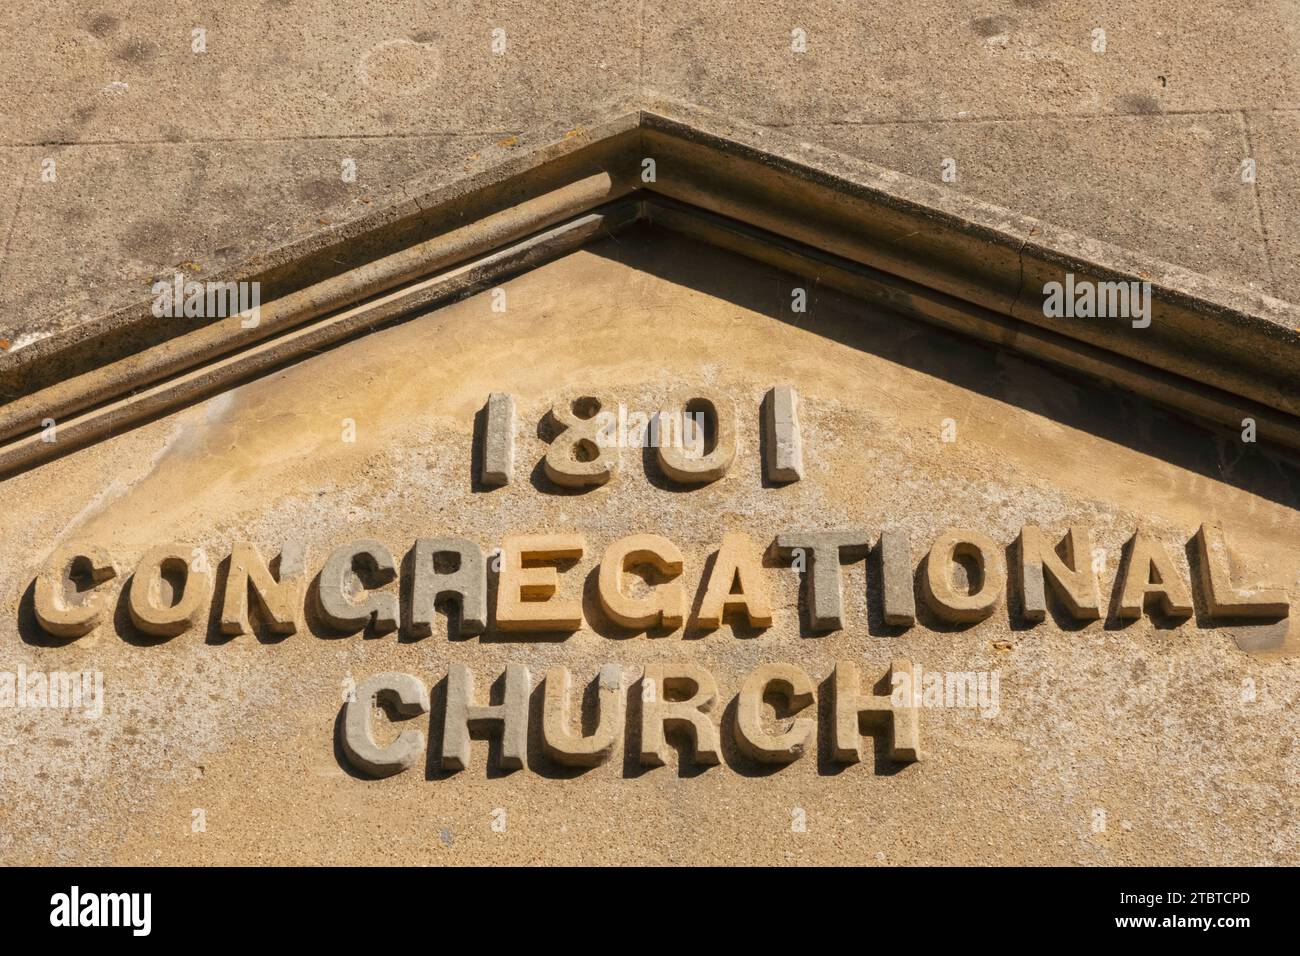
<point x="1213" y="351"/>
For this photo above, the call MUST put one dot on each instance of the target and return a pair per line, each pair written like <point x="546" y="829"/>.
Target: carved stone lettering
<point x="526" y="593"/>
<point x="664" y="605"/>
<point x="736" y="584"/>
<point x="945" y="599"/>
<point x="695" y="695"/>
<point x="169" y="594"/>
<point x="407" y="696"/>
<point x="61" y="608"/>
<point x="574" y="749"/>
<point x="349" y="599"/>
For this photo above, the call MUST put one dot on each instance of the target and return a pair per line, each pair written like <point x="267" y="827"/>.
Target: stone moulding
<point x="1214" y="352"/>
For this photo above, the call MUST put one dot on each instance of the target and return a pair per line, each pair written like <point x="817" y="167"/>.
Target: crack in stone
<point x="1259" y="205"/>
<point x="1020" y="280"/>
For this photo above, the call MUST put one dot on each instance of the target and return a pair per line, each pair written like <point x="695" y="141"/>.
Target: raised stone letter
<point x="526" y="596"/>
<point x="155" y="608"/>
<point x="63" y="610"/>
<point x="784" y="458"/>
<point x="1150" y="571"/>
<point x="348" y="572"/>
<point x="797" y="689"/>
<point x="499" y="440"/>
<point x="467" y="583"/>
<point x="737" y="565"/>
<point x="462" y="715"/>
<point x="664" y="605"/>
<point x="1072" y="579"/>
<point x="407" y="696"/>
<point x="578" y="457"/>
<point x="659" y="714"/>
<point x="851" y="704"/>
<point x="574" y="750"/>
<point x="945" y="600"/>
<point x="899" y="597"/>
<point x="686" y="457"/>
<point x="281" y="602"/>
<point x="1223" y="600"/>
<point x="822" y="579"/>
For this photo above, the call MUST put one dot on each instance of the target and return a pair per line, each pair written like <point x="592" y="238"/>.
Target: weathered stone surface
<point x="1102" y="717"/>
<point x="124" y="215"/>
<point x="1275" y="141"/>
<point x="274" y="71"/>
<point x="927" y="61"/>
<point x="1106" y="175"/>
<point x="1137" y="145"/>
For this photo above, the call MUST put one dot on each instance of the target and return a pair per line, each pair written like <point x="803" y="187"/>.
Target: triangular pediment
<point x="899" y="424"/>
<point x="428" y="462"/>
<point x="1215" y="353"/>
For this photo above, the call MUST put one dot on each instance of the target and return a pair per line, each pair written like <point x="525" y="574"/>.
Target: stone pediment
<point x="1050" y="530"/>
<point x="1212" y="351"/>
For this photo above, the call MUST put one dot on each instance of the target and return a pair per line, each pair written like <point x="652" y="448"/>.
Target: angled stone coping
<point x="1212" y="351"/>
